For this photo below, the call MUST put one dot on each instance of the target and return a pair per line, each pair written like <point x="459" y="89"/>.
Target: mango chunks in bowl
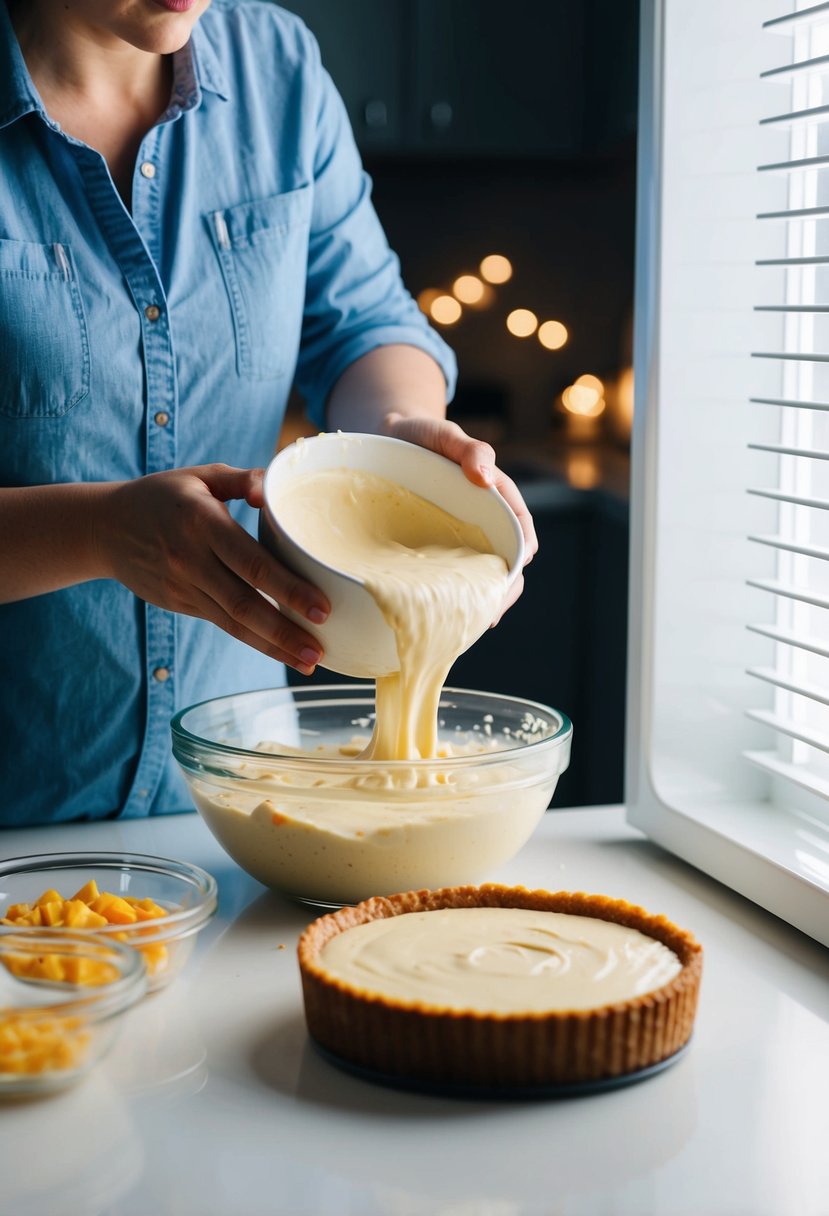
<point x="153" y="904"/>
<point x="53" y="1029"/>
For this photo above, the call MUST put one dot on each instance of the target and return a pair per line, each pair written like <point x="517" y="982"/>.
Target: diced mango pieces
<point x="47" y="897"/>
<point x="52" y="913"/>
<point x="78" y="915"/>
<point x="114" y="909"/>
<point x="146" y="905"/>
<point x="88" y="908"/>
<point x="42" y="1045"/>
<point x="88" y="893"/>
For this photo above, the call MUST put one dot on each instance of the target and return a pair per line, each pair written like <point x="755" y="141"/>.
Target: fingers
<point x="476" y="458"/>
<point x="509" y="491"/>
<point x="229" y="574"/>
<point x="252" y="563"/>
<point x="233" y="583"/>
<point x="287" y="644"/>
<point x="238" y="608"/>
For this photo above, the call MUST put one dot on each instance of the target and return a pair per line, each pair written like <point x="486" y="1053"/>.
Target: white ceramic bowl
<point x="356" y="639"/>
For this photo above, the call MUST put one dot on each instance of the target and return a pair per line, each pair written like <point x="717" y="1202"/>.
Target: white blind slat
<point x="789" y="404"/>
<point x="799" y="356"/>
<point x="796" y="640"/>
<point x="785" y="21"/>
<point x="796" y="773"/>
<point x="791" y="546"/>
<point x="819" y="63"/>
<point x="787" y="166"/>
<point x="789" y="591"/>
<point x="809" y="453"/>
<point x="780" y="680"/>
<point x="791" y="728"/>
<point x="815" y="114"/>
<point x="794" y="213"/>
<point x="820" y="504"/>
<point x="791" y="308"/>
<point x="807" y="261"/>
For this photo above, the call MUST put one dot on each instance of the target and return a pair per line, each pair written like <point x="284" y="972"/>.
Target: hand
<point x="170" y="539"/>
<point x="477" y="459"/>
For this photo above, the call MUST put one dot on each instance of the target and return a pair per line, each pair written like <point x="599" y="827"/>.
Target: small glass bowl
<point x="277" y="777"/>
<point x="187" y="892"/>
<point x="53" y="1031"/>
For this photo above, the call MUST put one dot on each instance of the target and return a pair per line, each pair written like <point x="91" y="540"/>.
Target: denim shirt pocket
<point x="263" y="252"/>
<point x="44" y="342"/>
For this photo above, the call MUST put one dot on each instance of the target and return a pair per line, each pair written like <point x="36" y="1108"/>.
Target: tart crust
<point x="414" y="1041"/>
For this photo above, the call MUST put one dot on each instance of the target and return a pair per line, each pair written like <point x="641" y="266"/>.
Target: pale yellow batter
<point x="435" y="579"/>
<point x="500" y="960"/>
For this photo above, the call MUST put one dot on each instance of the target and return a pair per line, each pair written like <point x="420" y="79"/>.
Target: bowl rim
<point x="178" y="923"/>
<point x="94" y="1003"/>
<point x="188" y="743"/>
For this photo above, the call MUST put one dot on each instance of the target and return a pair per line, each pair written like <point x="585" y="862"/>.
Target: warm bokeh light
<point x="427" y="298"/>
<point x="522" y="323"/>
<point x="579" y="399"/>
<point x="552" y="335"/>
<point x="445" y="310"/>
<point x="495" y="268"/>
<point x="469" y="289"/>
<point x="582" y="470"/>
<point x="624" y="398"/>
<point x="593" y="382"/>
<point x="487" y="298"/>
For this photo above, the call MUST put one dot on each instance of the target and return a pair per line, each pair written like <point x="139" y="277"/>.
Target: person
<point x="185" y="231"/>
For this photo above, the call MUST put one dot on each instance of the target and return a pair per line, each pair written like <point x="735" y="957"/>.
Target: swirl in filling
<point x="500" y="960"/>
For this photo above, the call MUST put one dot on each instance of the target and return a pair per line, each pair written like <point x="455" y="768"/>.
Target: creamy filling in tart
<point x="499" y="960"/>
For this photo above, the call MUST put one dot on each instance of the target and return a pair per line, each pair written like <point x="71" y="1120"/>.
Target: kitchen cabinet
<point x="492" y="79"/>
<point x="364" y="45"/>
<point x="477" y="77"/>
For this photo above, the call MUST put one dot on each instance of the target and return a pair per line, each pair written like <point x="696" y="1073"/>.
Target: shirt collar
<point x="196" y="67"/>
<point x="18" y="95"/>
<point x="209" y="72"/>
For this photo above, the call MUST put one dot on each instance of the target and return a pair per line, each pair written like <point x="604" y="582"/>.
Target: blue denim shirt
<point x="132" y="343"/>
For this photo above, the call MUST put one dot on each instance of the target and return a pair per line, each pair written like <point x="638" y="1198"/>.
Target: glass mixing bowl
<point x="62" y="1000"/>
<point x="185" y="892"/>
<point x="276" y="776"/>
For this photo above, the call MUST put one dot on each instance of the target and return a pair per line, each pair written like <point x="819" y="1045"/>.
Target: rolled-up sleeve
<point x="355" y="300"/>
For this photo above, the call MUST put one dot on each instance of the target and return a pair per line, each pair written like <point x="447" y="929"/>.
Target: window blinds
<point x="728" y="657"/>
<point x="793" y="331"/>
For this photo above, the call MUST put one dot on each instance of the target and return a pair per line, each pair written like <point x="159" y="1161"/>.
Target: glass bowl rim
<point x="95" y="1003"/>
<point x="177" y="923"/>
<point x="189" y="743"/>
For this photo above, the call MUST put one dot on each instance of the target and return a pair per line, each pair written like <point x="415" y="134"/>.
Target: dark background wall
<point x="510" y="128"/>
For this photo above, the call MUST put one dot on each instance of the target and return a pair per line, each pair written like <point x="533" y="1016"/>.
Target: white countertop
<point x="213" y="1102"/>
